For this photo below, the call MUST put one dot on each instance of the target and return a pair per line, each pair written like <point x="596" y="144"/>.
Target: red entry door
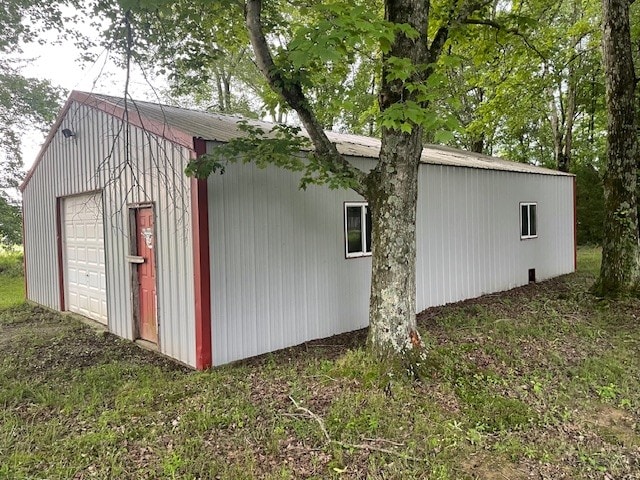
<point x="147" y="318"/>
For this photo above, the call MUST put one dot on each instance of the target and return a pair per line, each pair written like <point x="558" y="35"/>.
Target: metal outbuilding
<point x="212" y="271"/>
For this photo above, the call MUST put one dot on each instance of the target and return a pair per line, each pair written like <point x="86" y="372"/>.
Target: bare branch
<point x="292" y="92"/>
<point x="498" y="26"/>
<point x="355" y="446"/>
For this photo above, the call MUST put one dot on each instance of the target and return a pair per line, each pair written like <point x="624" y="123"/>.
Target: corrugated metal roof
<point x="222" y="128"/>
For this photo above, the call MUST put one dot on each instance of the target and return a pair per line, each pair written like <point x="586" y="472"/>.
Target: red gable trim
<point x="167" y="132"/>
<point x="201" y="260"/>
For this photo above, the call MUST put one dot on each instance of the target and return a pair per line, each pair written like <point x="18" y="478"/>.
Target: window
<point x="528" y="220"/>
<point x="357" y="229"/>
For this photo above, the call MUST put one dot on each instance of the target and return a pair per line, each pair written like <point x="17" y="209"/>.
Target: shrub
<point x="11" y="263"/>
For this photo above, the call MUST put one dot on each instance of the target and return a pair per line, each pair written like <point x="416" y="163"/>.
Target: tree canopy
<point x="519" y="79"/>
<point x="24" y="101"/>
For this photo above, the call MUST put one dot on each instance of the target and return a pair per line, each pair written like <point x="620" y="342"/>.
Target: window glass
<point x="528" y="220"/>
<point x="354" y="229"/>
<point x="532" y="220"/>
<point x="357" y="233"/>
<point x="524" y="222"/>
<point x="368" y="224"/>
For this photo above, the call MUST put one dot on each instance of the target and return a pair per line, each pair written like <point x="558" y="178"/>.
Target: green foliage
<point x="589" y="205"/>
<point x="281" y="146"/>
<point x="11" y="261"/>
<point x="11" y="277"/>
<point x="10" y="221"/>
<point x="514" y="75"/>
<point x="564" y="400"/>
<point x="23" y="101"/>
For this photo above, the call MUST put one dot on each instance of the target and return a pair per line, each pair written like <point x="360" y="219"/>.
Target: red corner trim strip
<point x="59" y="248"/>
<point x="24" y="257"/>
<point x="575" y="225"/>
<point x="202" y="272"/>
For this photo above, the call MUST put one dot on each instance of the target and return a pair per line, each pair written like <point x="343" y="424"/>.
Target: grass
<point x="540" y="382"/>
<point x="11" y="278"/>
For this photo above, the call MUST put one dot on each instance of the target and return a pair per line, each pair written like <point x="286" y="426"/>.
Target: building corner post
<point x="60" y="255"/>
<point x="575" y="224"/>
<point x="201" y="258"/>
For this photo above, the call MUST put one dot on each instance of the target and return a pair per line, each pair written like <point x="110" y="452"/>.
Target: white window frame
<point x="363" y="214"/>
<point x="528" y="205"/>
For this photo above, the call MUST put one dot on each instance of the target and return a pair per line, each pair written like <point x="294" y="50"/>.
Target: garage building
<point x="212" y="271"/>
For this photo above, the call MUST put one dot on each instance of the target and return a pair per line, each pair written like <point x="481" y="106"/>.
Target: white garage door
<point x="84" y="256"/>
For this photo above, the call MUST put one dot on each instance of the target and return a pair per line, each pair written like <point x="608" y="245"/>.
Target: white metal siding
<point x="96" y="159"/>
<point x="468" y="231"/>
<point x="279" y="276"/>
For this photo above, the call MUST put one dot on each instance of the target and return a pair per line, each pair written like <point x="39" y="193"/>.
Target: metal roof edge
<point x="359" y="146"/>
<point x="481" y="161"/>
<point x="47" y="141"/>
<point x="165" y="131"/>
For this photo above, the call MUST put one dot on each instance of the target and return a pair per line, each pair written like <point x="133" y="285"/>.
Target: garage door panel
<point x="92" y="255"/>
<point x="84" y="256"/>
<point x="94" y="281"/>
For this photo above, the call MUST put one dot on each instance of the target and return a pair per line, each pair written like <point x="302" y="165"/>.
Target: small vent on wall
<point x="532" y="275"/>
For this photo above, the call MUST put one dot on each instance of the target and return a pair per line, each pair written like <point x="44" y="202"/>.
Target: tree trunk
<point x="392" y="186"/>
<point x="556" y="127"/>
<point x="564" y="162"/>
<point x="477" y="144"/>
<point x="226" y="82"/>
<point x="620" y="271"/>
<point x="392" y="193"/>
<point x="220" y="92"/>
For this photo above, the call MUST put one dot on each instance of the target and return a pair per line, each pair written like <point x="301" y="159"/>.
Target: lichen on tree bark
<point x="620" y="270"/>
<point x="391" y="188"/>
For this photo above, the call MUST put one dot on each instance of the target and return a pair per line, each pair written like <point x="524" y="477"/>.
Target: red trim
<point x="575" y="225"/>
<point x="202" y="272"/>
<point x="60" y="258"/>
<point x="24" y="258"/>
<point x="117" y="110"/>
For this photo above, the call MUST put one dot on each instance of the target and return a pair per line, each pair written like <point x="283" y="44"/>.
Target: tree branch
<point x="354" y="446"/>
<point x="498" y="26"/>
<point x="291" y="91"/>
<point x="442" y="34"/>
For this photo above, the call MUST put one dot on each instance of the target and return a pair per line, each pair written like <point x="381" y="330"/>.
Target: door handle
<point x="134" y="259"/>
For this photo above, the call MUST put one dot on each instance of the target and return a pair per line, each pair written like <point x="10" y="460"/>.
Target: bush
<point x="590" y="205"/>
<point x="11" y="263"/>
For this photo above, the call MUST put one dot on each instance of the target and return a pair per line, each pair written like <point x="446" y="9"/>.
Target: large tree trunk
<point x="392" y="186"/>
<point x="392" y="192"/>
<point x="620" y="271"/>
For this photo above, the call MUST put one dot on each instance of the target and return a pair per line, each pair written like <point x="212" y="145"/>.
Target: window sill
<point x="357" y="255"/>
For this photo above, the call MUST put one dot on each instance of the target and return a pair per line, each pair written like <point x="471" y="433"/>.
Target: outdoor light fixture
<point x="68" y="133"/>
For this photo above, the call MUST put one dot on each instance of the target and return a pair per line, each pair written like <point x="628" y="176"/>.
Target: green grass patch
<point x="11" y="291"/>
<point x="539" y="382"/>
<point x="11" y="278"/>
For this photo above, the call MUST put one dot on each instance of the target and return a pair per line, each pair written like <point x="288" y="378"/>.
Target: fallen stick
<point x="345" y="445"/>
